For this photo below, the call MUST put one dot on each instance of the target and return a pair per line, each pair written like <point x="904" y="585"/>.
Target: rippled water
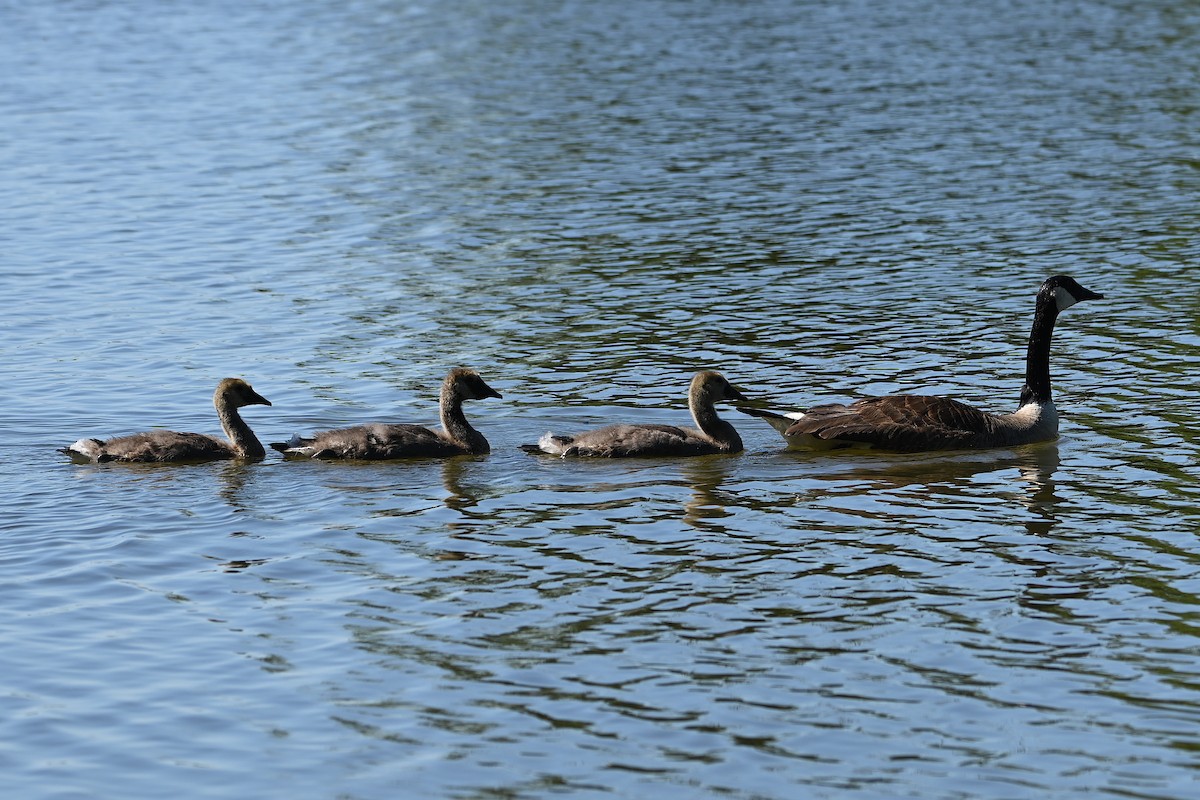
<point x="588" y="202"/>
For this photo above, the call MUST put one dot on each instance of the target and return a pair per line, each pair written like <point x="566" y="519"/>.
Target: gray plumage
<point x="172" y="446"/>
<point x="712" y="434"/>
<point x="913" y="423"/>
<point x="381" y="441"/>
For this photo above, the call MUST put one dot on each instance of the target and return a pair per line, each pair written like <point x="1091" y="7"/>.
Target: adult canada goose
<point x="912" y="423"/>
<point x="383" y="441"/>
<point x="715" y="435"/>
<point x="170" y="446"/>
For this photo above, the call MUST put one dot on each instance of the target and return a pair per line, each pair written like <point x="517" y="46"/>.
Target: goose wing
<point x="163" y="446"/>
<point x="410" y="441"/>
<point x="897" y="422"/>
<point x="617" y="441"/>
<point x="371" y="442"/>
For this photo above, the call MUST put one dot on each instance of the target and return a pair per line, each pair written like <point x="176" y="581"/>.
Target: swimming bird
<point x="914" y="423"/>
<point x="715" y="435"/>
<point x="170" y="446"/>
<point x="381" y="441"/>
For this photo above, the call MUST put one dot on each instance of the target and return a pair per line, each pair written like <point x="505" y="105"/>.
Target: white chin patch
<point x="1064" y="298"/>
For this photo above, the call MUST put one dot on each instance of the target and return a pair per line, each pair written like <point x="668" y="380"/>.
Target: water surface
<point x="588" y="202"/>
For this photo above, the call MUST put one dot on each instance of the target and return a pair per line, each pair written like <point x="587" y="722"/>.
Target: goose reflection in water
<point x="1037" y="473"/>
<point x="930" y="478"/>
<point x="234" y="477"/>
<point x="707" y="504"/>
<point x="460" y="496"/>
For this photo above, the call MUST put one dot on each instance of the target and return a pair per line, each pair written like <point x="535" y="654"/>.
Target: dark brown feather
<point x="898" y="422"/>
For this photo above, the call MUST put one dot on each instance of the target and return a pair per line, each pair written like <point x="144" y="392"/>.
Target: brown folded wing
<point x="898" y="422"/>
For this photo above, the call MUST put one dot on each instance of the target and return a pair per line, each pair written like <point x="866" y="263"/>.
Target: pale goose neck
<point x="704" y="412"/>
<point x="454" y="421"/>
<point x="242" y="439"/>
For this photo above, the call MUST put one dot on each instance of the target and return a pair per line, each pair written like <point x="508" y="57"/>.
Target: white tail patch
<point x="88" y="448"/>
<point x="781" y="422"/>
<point x="554" y="445"/>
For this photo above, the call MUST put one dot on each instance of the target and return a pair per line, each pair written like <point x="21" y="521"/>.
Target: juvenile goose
<point x="913" y="423"/>
<point x="621" y="441"/>
<point x="383" y="441"/>
<point x="170" y="446"/>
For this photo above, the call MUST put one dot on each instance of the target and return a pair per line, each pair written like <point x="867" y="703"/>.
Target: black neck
<point x="1037" y="361"/>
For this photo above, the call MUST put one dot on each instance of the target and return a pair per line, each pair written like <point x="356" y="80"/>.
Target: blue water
<point x="588" y="202"/>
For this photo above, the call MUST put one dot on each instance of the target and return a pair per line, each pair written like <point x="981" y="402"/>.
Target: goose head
<point x="712" y="386"/>
<point x="1063" y="292"/>
<point x="467" y="385"/>
<point x="235" y="392"/>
